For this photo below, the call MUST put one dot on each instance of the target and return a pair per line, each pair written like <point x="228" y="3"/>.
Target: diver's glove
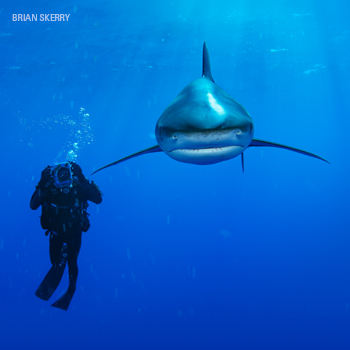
<point x="46" y="177"/>
<point x="77" y="172"/>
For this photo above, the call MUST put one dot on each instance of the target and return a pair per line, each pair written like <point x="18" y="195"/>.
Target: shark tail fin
<point x="261" y="143"/>
<point x="206" y="63"/>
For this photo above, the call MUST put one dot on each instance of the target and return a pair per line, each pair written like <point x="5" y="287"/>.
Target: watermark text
<point x="43" y="17"/>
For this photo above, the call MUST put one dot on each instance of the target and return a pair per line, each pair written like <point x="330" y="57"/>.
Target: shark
<point x="204" y="125"/>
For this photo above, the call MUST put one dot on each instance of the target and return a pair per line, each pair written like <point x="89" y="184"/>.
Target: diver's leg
<point x="73" y="252"/>
<point x="55" y="247"/>
<point x="54" y="276"/>
<point x="74" y="249"/>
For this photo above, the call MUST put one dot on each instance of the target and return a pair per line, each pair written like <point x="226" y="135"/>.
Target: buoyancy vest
<point x="64" y="210"/>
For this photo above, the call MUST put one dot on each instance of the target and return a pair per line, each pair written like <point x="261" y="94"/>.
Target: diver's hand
<point x="46" y="176"/>
<point x="77" y="172"/>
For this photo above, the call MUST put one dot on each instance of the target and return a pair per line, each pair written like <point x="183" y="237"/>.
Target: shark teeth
<point x="208" y="149"/>
<point x="202" y="149"/>
<point x="207" y="155"/>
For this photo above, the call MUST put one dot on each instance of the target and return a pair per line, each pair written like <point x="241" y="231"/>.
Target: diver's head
<point x="62" y="175"/>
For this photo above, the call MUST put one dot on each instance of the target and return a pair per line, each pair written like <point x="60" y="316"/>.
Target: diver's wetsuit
<point x="64" y="217"/>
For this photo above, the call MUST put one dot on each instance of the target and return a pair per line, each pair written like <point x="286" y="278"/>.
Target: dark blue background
<point x="178" y="255"/>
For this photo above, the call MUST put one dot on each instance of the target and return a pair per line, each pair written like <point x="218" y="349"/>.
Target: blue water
<point x="179" y="256"/>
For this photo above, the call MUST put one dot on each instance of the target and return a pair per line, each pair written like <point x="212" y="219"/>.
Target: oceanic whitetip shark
<point x="205" y="125"/>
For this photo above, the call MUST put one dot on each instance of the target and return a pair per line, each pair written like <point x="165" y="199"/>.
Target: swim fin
<point x="63" y="302"/>
<point x="50" y="282"/>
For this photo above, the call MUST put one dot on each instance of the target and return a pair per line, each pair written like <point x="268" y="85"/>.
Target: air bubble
<point x="71" y="156"/>
<point x="77" y="130"/>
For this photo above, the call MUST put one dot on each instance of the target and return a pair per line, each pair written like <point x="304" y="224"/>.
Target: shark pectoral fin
<point x="261" y="143"/>
<point x="145" y="151"/>
<point x="242" y="159"/>
<point x="206" y="73"/>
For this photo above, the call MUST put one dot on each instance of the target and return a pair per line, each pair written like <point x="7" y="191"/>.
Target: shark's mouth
<point x="209" y="155"/>
<point x="223" y="149"/>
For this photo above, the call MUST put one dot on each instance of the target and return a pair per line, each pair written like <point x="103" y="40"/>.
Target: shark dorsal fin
<point x="206" y="63"/>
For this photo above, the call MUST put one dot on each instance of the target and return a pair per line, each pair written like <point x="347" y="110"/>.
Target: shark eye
<point x="174" y="137"/>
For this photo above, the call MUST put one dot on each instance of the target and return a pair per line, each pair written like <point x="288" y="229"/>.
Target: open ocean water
<point x="179" y="256"/>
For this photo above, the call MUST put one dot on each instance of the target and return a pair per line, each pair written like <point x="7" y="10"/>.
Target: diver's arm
<point x="37" y="199"/>
<point x="90" y="191"/>
<point x="95" y="194"/>
<point x="41" y="188"/>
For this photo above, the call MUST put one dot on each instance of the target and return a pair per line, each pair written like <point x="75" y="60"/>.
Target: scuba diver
<point x="63" y="192"/>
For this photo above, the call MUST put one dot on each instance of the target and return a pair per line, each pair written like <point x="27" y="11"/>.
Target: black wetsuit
<point x="64" y="217"/>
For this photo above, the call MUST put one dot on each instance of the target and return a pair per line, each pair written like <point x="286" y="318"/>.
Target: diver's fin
<point x="242" y="159"/>
<point x="50" y="282"/>
<point x="63" y="302"/>
<point x="261" y="143"/>
<point x="145" y="151"/>
<point x="206" y="63"/>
